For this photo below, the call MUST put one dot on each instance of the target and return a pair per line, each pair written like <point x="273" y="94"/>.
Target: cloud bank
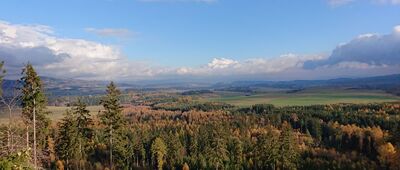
<point x="368" y="50"/>
<point x="368" y="54"/>
<point x="63" y="57"/>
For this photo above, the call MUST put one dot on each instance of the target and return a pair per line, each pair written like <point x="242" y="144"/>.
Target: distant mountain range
<point x="62" y="87"/>
<point x="389" y="83"/>
<point x="367" y="82"/>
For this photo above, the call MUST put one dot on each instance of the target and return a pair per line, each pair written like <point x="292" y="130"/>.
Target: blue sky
<point x="192" y="33"/>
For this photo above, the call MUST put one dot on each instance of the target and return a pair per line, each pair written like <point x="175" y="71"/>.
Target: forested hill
<point x="66" y="87"/>
<point x="389" y="83"/>
<point x="62" y="87"/>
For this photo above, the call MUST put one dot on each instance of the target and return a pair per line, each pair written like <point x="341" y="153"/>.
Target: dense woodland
<point x="182" y="134"/>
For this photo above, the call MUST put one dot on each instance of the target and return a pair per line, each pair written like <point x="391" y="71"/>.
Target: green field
<point x="56" y="113"/>
<point x="306" y="97"/>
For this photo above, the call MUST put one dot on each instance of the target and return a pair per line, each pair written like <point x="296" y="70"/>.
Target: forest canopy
<point x="178" y="133"/>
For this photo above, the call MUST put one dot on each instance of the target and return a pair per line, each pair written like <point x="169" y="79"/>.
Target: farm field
<point x="56" y="113"/>
<point x="306" y="97"/>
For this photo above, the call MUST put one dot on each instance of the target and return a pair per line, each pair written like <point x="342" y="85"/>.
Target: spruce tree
<point x="217" y="152"/>
<point x="158" y="152"/>
<point x="236" y="152"/>
<point x="112" y="118"/>
<point x="33" y="101"/>
<point x="66" y="141"/>
<point x="266" y="151"/>
<point x="83" y="128"/>
<point x="175" y="152"/>
<point x="289" y="155"/>
<point x="2" y="72"/>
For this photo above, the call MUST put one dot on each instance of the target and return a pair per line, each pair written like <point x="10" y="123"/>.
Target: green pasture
<point x="306" y="97"/>
<point x="56" y="113"/>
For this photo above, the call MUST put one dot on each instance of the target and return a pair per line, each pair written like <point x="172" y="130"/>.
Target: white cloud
<point x="111" y="32"/>
<point x="53" y="56"/>
<point x="372" y="49"/>
<point x="220" y="63"/>
<point x="396" y="29"/>
<point x="65" y="57"/>
<point x="260" y="66"/>
<point x="368" y="35"/>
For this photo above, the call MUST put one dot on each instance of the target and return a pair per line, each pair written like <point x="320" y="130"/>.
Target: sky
<point x="129" y="40"/>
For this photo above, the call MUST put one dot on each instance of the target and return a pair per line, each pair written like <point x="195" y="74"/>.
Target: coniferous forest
<point x="183" y="134"/>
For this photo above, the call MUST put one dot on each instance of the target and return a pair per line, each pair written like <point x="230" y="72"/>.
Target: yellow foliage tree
<point x="386" y="153"/>
<point x="185" y="166"/>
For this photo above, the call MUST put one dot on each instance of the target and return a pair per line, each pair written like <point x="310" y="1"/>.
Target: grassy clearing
<point x="56" y="113"/>
<point x="307" y="97"/>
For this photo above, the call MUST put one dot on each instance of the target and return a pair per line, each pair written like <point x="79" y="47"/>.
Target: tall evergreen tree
<point x="83" y="128"/>
<point x="34" y="112"/>
<point x="193" y="149"/>
<point x="66" y="141"/>
<point x="236" y="153"/>
<point x="289" y="155"/>
<point x="112" y="118"/>
<point x="176" y="150"/>
<point x="266" y="153"/>
<point x="158" y="152"/>
<point x="217" y="152"/>
<point x="2" y="72"/>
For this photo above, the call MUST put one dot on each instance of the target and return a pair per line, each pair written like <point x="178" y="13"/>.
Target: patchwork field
<point x="306" y="97"/>
<point x="275" y="97"/>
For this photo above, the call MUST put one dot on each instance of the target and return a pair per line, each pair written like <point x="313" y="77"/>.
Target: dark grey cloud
<point x="370" y="49"/>
<point x="39" y="56"/>
<point x="16" y="57"/>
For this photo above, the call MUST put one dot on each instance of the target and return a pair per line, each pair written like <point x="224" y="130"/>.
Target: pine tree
<point x="266" y="151"/>
<point x="66" y="141"/>
<point x="112" y="118"/>
<point x="236" y="152"/>
<point x="158" y="152"/>
<point x="217" y="152"/>
<point x="175" y="150"/>
<point x="193" y="149"/>
<point x="289" y="155"/>
<point x="83" y="128"/>
<point x="2" y="72"/>
<point x="34" y="112"/>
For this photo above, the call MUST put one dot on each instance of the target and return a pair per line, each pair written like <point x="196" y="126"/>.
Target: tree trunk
<point x="67" y="163"/>
<point x="111" y="146"/>
<point x="9" y="135"/>
<point x="27" y="137"/>
<point x="80" y="153"/>
<point x="34" y="133"/>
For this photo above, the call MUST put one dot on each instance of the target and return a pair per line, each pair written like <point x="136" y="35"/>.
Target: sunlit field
<point x="307" y="97"/>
